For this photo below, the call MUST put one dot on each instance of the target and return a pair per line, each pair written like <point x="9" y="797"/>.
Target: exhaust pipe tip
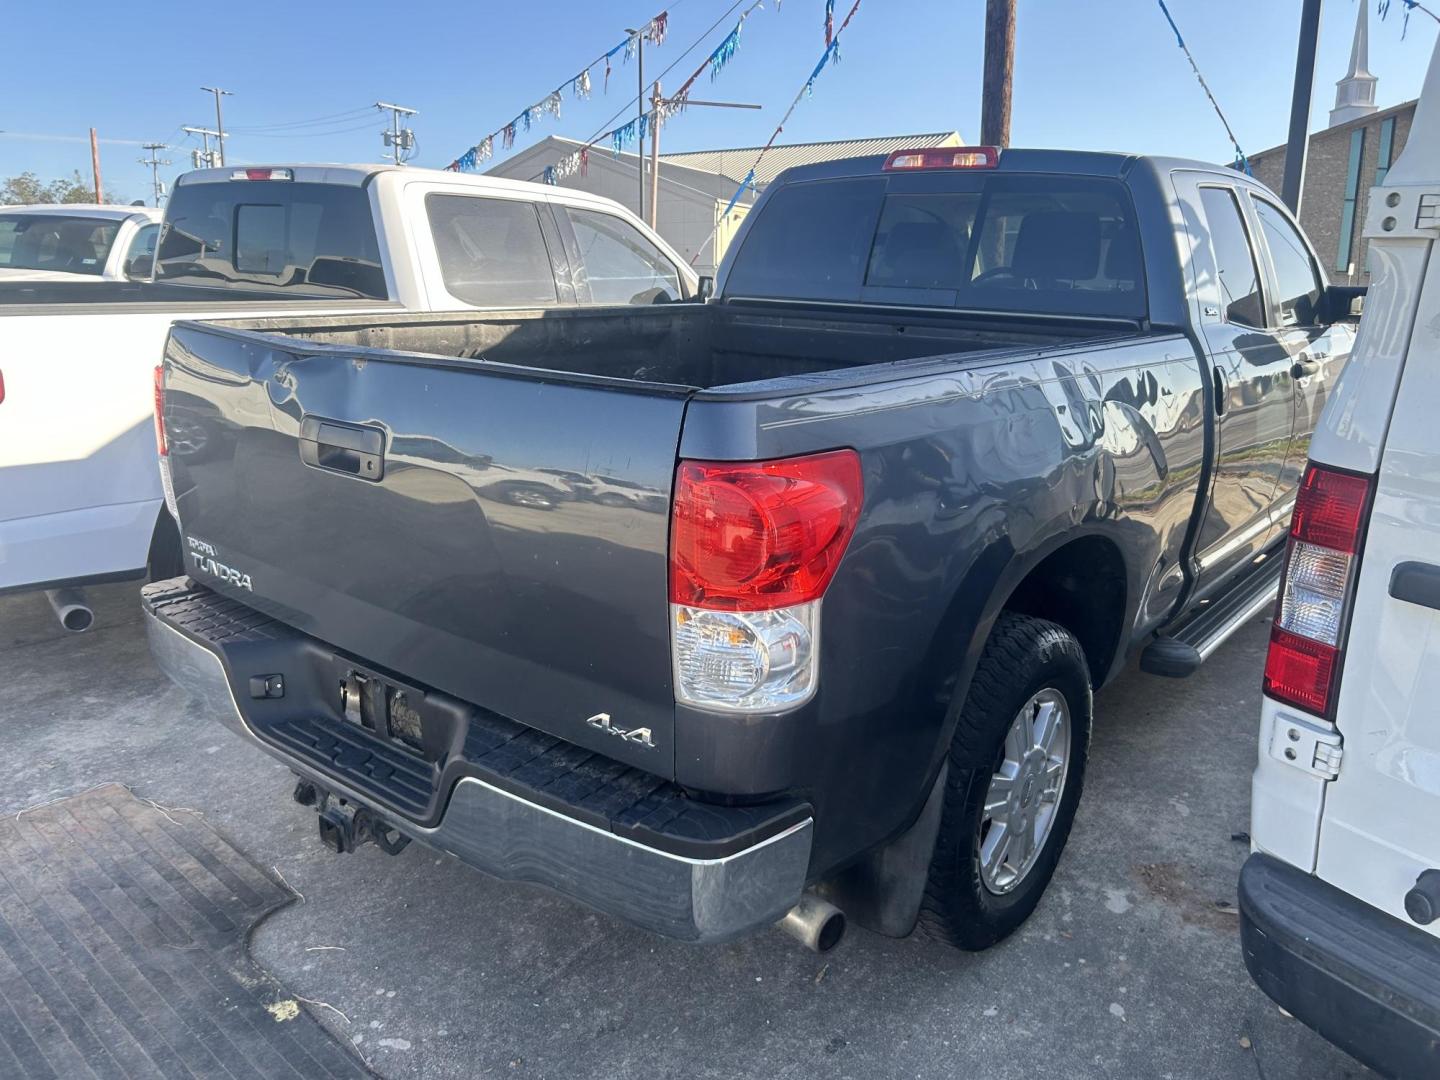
<point x="71" y="609"/>
<point x="815" y="923"/>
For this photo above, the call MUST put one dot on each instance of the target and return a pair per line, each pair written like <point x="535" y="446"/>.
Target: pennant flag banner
<point x="635" y="131"/>
<point x="579" y="85"/>
<point x="831" y="53"/>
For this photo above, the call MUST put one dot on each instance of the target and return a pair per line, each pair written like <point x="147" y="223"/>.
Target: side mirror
<point x="1344" y="303"/>
<point x="140" y="268"/>
<point x="706" y="289"/>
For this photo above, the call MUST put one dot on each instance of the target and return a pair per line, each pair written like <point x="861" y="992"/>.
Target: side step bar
<point x="1181" y="653"/>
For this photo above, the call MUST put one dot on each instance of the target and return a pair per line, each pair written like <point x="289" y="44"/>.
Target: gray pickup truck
<point x="776" y="607"/>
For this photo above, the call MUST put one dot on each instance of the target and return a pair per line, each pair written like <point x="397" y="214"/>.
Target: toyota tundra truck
<point x="803" y="611"/>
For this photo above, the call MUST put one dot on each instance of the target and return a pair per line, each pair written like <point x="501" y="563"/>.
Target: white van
<point x="1340" y="901"/>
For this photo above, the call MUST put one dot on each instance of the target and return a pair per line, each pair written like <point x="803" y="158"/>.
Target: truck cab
<point x="1340" y="901"/>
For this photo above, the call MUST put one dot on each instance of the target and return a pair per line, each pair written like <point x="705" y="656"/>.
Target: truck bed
<point x="681" y="345"/>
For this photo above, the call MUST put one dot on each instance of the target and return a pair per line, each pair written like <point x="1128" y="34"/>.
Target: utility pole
<point x="656" y="102"/>
<point x="202" y="159"/>
<point x="95" y="165"/>
<point x="219" y="123"/>
<point x="999" y="72"/>
<point x="399" y="139"/>
<point x="1298" y="144"/>
<point x="639" y="37"/>
<point x="155" y="162"/>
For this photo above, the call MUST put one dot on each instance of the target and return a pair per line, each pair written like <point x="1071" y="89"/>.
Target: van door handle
<point x="1304" y="367"/>
<point x="1416" y="583"/>
<point x="349" y="449"/>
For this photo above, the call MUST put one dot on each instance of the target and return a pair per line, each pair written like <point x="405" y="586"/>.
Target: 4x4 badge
<point x="639" y="735"/>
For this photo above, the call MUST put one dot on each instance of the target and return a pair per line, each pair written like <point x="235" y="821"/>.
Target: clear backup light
<point x="746" y="661"/>
<point x="1307" y="637"/>
<point x="753" y="546"/>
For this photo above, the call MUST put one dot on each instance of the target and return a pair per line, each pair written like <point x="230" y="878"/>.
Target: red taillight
<point x="160" y="444"/>
<point x="1320" y="562"/>
<point x="1299" y="671"/>
<point x="944" y="157"/>
<point x="1330" y="508"/>
<point x="752" y="536"/>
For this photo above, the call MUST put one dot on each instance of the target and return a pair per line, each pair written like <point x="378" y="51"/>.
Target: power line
<point x="400" y="140"/>
<point x="219" y="122"/>
<point x="314" y="121"/>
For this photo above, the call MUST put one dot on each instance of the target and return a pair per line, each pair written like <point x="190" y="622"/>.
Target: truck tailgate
<point x="513" y="555"/>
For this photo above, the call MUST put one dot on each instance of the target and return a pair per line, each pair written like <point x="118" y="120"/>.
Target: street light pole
<point x="219" y="122"/>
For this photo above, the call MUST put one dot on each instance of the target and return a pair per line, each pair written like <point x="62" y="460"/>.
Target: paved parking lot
<point x="1130" y="968"/>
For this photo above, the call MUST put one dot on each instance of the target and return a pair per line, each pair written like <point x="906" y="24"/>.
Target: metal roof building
<point x="737" y="162"/>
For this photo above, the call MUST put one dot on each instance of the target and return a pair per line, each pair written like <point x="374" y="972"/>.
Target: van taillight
<point x="160" y="444"/>
<point x="1320" y="563"/>
<point x="753" y="546"/>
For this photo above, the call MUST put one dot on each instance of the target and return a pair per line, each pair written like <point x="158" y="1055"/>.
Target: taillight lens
<point x="753" y="546"/>
<point x="160" y="444"/>
<point x="1320" y="560"/>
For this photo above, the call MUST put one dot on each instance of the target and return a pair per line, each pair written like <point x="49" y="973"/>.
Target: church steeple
<point x="1355" y="93"/>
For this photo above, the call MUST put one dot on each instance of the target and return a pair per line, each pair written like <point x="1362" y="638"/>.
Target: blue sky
<point x="1092" y="74"/>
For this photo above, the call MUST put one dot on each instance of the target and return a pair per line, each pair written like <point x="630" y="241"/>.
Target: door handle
<point x="1222" y="389"/>
<point x="349" y="449"/>
<point x="1304" y="367"/>
<point x="1416" y="583"/>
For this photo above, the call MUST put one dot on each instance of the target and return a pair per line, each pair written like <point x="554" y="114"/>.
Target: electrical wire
<point x="317" y="121"/>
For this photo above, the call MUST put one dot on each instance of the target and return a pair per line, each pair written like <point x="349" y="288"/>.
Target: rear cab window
<point x="1060" y="245"/>
<point x="287" y="237"/>
<point x="1237" y="272"/>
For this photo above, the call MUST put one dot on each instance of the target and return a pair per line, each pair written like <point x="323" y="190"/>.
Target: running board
<point x="1181" y="653"/>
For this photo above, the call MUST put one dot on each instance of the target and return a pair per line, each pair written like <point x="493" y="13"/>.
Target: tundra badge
<point x="639" y="735"/>
<point x="203" y="556"/>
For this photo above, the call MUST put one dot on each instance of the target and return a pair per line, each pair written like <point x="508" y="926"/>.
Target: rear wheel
<point x="1017" y="764"/>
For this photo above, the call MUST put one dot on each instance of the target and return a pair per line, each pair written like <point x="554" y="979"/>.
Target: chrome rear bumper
<point x="502" y="834"/>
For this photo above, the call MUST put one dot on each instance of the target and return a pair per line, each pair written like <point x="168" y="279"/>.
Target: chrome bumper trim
<point x="506" y="836"/>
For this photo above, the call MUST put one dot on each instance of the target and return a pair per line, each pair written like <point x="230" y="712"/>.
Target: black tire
<point x="167" y="557"/>
<point x="1022" y="657"/>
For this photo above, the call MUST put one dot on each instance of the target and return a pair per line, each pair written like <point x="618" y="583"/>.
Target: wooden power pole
<point x="999" y="72"/>
<point x="95" y="165"/>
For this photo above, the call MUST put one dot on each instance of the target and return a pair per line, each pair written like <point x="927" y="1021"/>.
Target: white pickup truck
<point x="1340" y="901"/>
<point x="77" y="242"/>
<point x="80" y="495"/>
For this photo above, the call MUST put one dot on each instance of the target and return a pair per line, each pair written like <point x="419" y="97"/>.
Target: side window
<point x="492" y="253"/>
<point x="1295" y="274"/>
<point x="1235" y="265"/>
<point x="622" y="266"/>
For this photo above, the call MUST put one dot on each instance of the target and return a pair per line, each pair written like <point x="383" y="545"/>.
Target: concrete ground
<point x="1130" y="968"/>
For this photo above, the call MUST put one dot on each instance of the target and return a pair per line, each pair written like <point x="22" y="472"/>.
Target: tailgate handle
<point x="1416" y="583"/>
<point x="348" y="449"/>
